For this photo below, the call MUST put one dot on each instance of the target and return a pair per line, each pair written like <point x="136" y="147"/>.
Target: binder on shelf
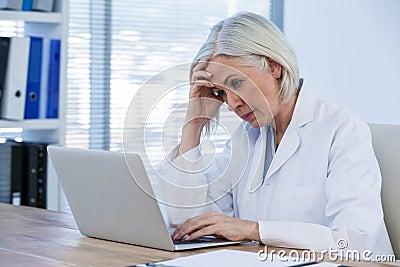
<point x="32" y="101"/>
<point x="18" y="173"/>
<point x="44" y="78"/>
<point x="13" y="100"/>
<point x="27" y="5"/>
<point x="11" y="4"/>
<point x="4" y="43"/>
<point x="11" y="173"/>
<point x="53" y="84"/>
<point x="35" y="185"/>
<point x="5" y="172"/>
<point x="43" y="5"/>
<point x="23" y="173"/>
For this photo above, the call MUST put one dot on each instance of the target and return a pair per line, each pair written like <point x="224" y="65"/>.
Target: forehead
<point x="222" y="66"/>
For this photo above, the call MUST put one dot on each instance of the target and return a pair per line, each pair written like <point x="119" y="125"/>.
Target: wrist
<point x="254" y="232"/>
<point x="190" y="138"/>
<point x="192" y="129"/>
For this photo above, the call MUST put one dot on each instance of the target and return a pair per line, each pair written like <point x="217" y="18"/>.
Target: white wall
<point x="349" y="52"/>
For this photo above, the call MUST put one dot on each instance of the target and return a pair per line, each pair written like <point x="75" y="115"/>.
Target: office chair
<point x="386" y="143"/>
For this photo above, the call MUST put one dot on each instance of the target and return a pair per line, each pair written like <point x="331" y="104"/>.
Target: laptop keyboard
<point x="200" y="240"/>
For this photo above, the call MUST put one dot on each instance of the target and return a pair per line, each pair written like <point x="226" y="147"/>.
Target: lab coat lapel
<point x="288" y="146"/>
<point x="303" y="113"/>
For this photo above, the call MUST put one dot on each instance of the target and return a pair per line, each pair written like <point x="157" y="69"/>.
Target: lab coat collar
<point x="304" y="111"/>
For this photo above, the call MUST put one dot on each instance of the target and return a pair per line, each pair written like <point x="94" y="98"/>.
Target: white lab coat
<point x="323" y="183"/>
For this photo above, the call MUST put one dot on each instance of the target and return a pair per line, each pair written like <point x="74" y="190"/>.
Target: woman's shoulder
<point x="338" y="118"/>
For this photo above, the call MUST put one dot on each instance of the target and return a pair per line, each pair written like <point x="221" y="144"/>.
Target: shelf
<point x="34" y="124"/>
<point x="31" y="16"/>
<point x="48" y="25"/>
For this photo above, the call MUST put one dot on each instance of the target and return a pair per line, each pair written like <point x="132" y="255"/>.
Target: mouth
<point x="248" y="116"/>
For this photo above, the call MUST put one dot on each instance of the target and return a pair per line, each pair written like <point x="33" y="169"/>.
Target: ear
<point x="275" y="68"/>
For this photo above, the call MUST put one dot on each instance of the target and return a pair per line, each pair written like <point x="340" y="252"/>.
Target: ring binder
<point x="4" y="44"/>
<point x="13" y="100"/>
<point x="32" y="102"/>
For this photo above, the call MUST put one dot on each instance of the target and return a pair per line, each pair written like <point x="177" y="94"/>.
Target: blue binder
<point x="53" y="84"/>
<point x="32" y="101"/>
<point x="27" y="5"/>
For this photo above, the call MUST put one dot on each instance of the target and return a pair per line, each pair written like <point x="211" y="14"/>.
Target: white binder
<point x="43" y="5"/>
<point x="11" y="4"/>
<point x="13" y="101"/>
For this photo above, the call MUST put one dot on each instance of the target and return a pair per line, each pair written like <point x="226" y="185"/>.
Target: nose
<point x="233" y="100"/>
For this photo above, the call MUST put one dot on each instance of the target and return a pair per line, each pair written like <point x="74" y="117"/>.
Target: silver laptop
<point x="108" y="204"/>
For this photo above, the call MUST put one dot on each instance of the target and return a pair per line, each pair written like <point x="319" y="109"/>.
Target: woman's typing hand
<point x="217" y="224"/>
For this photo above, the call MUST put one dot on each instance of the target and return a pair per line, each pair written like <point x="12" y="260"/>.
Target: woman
<point x="297" y="173"/>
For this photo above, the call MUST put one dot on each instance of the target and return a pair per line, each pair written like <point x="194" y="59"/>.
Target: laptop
<point x="107" y="203"/>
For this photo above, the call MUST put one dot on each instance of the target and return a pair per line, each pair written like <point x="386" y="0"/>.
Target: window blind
<point x="9" y="28"/>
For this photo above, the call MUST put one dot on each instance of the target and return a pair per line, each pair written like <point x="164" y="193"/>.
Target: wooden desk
<point x="37" y="237"/>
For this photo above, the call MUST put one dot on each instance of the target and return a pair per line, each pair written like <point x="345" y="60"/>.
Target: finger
<point x="208" y="230"/>
<point x="201" y="65"/>
<point x="201" y="75"/>
<point x="191" y="226"/>
<point x="177" y="234"/>
<point x="199" y="85"/>
<point x="180" y="227"/>
<point x="195" y="220"/>
<point x="186" y="229"/>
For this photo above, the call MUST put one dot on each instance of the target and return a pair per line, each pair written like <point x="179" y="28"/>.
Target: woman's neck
<point x="283" y="118"/>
